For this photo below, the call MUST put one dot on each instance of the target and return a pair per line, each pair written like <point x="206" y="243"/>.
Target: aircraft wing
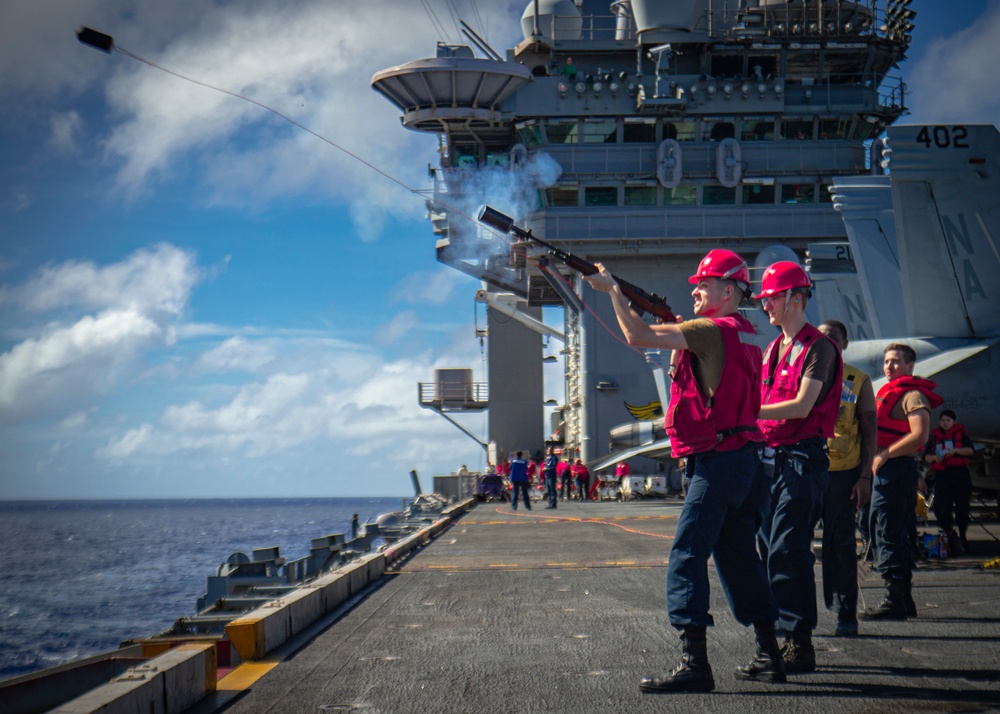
<point x="941" y="361"/>
<point x="654" y="449"/>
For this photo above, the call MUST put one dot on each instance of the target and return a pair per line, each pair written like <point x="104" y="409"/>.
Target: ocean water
<point x="79" y="577"/>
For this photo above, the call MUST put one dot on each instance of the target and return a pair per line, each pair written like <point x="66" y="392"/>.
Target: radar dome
<point x="557" y="20"/>
<point x="772" y="254"/>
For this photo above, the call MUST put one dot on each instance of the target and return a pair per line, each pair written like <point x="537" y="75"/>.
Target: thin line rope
<point x="373" y="167"/>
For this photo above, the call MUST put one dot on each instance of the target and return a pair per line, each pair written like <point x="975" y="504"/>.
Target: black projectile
<point x="95" y="39"/>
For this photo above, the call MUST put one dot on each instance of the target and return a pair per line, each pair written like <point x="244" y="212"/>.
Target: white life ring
<point x="669" y="163"/>
<point x="729" y="163"/>
<point x="518" y="156"/>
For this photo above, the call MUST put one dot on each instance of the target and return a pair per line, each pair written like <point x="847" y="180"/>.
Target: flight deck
<point x="564" y="611"/>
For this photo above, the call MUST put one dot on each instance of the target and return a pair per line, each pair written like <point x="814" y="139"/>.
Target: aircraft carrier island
<point x="644" y="137"/>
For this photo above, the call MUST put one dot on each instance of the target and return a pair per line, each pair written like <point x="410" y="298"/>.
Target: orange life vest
<point x="892" y="430"/>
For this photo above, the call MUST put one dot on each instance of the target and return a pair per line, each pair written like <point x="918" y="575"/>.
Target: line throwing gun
<point x="639" y="299"/>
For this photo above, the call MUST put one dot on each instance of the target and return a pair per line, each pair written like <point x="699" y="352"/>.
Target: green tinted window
<point x="600" y="132"/>
<point x="465" y="157"/>
<point x="797" y="130"/>
<point x="563" y="132"/>
<point x="679" y="130"/>
<point x="756" y="194"/>
<point x="600" y="196"/>
<point x="682" y="195"/>
<point x="833" y="128"/>
<point x="562" y="195"/>
<point x="798" y="192"/>
<point x="498" y="159"/>
<point x="531" y="135"/>
<point x="638" y="132"/>
<point x="758" y="130"/>
<point x="640" y="195"/>
<point x="718" y="196"/>
<point x="720" y="130"/>
<point x="824" y="193"/>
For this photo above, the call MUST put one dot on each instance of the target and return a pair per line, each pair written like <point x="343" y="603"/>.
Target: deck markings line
<point x="245" y="675"/>
<point x="598" y="521"/>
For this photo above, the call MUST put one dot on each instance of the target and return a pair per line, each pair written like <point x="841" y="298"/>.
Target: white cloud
<point x="431" y="287"/>
<point x="956" y="79"/>
<point x="368" y="408"/>
<point x="311" y="61"/>
<point x="157" y="281"/>
<point x="67" y="128"/>
<point x="54" y="361"/>
<point x="237" y="354"/>
<point x="397" y="328"/>
<point x="65" y="362"/>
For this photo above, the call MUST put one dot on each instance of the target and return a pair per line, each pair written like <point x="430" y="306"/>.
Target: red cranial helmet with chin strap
<point x="782" y="276"/>
<point x="725" y="264"/>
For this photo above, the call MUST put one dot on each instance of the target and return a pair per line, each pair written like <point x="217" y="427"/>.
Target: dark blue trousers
<point x="840" y="562"/>
<point x="552" y="488"/>
<point x="894" y="500"/>
<point x="520" y="487"/>
<point x="952" y="496"/>
<point x="789" y="523"/>
<point x="721" y="514"/>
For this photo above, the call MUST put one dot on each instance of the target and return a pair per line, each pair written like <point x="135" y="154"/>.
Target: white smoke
<point x="512" y="190"/>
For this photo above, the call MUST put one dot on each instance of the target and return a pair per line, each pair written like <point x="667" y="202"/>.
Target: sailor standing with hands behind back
<point x="720" y="438"/>
<point x="800" y="395"/>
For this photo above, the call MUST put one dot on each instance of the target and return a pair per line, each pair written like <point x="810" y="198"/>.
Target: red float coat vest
<point x="954" y="435"/>
<point x="780" y="383"/>
<point x="697" y="423"/>
<point x="892" y="430"/>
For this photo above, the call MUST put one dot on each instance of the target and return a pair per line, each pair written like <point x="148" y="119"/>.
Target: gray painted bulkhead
<point x="515" y="377"/>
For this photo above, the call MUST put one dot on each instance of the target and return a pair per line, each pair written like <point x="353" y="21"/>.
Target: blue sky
<point x="198" y="299"/>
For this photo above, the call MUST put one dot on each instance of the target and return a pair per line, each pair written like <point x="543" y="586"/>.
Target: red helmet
<point x="781" y="276"/>
<point x="721" y="263"/>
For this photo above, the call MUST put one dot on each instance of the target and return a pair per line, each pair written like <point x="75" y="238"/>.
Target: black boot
<point x="955" y="544"/>
<point x="908" y="603"/>
<point x="693" y="674"/>
<point x="767" y="665"/>
<point x="798" y="653"/>
<point x="893" y="606"/>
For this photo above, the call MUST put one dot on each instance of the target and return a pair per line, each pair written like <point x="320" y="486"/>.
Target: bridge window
<point x="679" y="130"/>
<point x="600" y="132"/>
<point x="684" y="194"/>
<point x="562" y="132"/>
<point x="758" y="130"/>
<point x="797" y="129"/>
<point x="530" y="134"/>
<point x="717" y="131"/>
<point x="600" y="196"/>
<point x="465" y="157"/>
<point x="833" y="128"/>
<point x="498" y="159"/>
<point x="640" y="195"/>
<point x="798" y="192"/>
<point x="561" y="196"/>
<point x="718" y="196"/>
<point x="824" y="193"/>
<point x="639" y="131"/>
<point x="757" y="194"/>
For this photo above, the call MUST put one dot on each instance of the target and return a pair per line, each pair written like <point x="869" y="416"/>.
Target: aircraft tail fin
<point x="945" y="180"/>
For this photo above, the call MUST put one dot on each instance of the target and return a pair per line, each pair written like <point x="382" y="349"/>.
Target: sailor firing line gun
<point x="640" y="300"/>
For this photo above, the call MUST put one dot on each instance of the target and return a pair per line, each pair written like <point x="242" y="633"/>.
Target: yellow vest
<point x="845" y="446"/>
